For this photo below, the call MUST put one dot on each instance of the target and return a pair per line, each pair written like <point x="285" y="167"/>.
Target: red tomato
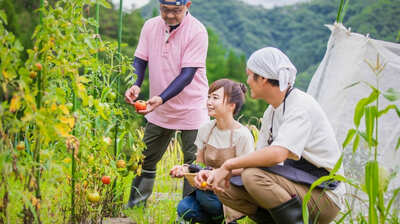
<point x="140" y="105"/>
<point x="38" y="66"/>
<point x="21" y="146"/>
<point x="106" y="179"/>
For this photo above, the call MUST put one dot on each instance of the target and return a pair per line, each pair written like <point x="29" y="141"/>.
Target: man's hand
<point x="132" y="94"/>
<point x="201" y="178"/>
<point x="152" y="104"/>
<point x="219" y="179"/>
<point x="178" y="171"/>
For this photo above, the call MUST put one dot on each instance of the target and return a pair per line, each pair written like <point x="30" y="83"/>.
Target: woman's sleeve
<point x="245" y="144"/>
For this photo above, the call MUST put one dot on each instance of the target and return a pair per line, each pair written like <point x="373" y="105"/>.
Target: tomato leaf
<point x="3" y="16"/>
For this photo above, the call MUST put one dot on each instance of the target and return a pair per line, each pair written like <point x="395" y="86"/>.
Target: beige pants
<point x="269" y="190"/>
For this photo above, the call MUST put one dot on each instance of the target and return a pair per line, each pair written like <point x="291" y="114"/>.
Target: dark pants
<point x="201" y="206"/>
<point x="157" y="139"/>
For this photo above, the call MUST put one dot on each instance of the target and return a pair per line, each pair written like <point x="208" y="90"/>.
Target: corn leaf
<point x="370" y="115"/>
<point x="392" y="95"/>
<point x="360" y="108"/>
<point x="337" y="166"/>
<point x="349" y="137"/>
<point x="386" y="110"/>
<point x="351" y="85"/>
<point x="364" y="136"/>
<point x="371" y="187"/>
<point x="356" y="143"/>
<point x="389" y="205"/>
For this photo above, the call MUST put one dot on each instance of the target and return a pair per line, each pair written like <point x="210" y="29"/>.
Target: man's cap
<point x="177" y="2"/>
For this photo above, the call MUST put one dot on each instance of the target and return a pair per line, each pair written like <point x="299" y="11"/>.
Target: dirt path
<point x="118" y="221"/>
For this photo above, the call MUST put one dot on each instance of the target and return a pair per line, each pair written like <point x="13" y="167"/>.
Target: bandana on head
<point x="272" y="63"/>
<point x="177" y="2"/>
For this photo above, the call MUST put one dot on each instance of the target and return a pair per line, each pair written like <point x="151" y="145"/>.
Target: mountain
<point x="298" y="29"/>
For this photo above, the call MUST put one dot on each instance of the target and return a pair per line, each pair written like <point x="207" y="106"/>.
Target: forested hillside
<point x="298" y="30"/>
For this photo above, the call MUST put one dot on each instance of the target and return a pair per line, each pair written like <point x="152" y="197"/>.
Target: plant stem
<point x="376" y="122"/>
<point x="340" y="10"/>
<point x="73" y="166"/>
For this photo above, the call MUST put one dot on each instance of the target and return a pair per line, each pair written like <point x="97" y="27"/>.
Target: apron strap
<point x="209" y="134"/>
<point x="231" y="139"/>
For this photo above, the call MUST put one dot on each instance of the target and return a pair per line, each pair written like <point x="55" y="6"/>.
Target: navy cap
<point x="176" y="2"/>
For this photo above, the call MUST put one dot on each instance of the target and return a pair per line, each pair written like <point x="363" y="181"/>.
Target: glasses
<point x="175" y="11"/>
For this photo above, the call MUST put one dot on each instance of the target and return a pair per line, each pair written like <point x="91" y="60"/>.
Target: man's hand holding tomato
<point x="219" y="178"/>
<point x="132" y="94"/>
<point x="152" y="104"/>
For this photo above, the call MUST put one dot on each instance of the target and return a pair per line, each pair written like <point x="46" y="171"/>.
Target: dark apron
<point x="300" y="171"/>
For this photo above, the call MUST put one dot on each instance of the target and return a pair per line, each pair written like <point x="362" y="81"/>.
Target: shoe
<point x="262" y="216"/>
<point x="289" y="212"/>
<point x="141" y="189"/>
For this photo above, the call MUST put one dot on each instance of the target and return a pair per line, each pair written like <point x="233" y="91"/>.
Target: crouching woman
<point x="218" y="140"/>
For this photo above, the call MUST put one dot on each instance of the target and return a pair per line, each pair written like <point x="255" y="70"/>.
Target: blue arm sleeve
<point x="179" y="83"/>
<point x="140" y="66"/>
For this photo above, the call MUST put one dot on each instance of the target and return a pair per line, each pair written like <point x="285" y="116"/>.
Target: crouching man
<point x="296" y="146"/>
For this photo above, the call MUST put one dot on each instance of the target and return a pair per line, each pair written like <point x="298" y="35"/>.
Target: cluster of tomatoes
<point x="95" y="196"/>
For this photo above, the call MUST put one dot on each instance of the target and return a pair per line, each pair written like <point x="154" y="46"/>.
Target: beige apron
<point x="215" y="157"/>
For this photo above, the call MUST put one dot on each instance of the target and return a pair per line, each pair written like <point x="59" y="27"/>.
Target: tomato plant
<point x="56" y="106"/>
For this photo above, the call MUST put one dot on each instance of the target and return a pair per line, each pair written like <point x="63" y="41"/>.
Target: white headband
<point x="272" y="63"/>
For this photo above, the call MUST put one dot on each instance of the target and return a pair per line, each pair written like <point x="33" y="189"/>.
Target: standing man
<point x="174" y="47"/>
<point x="296" y="146"/>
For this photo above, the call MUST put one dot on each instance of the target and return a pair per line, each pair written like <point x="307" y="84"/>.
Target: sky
<point x="129" y="4"/>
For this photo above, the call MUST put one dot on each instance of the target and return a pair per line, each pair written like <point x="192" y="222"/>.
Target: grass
<point x="167" y="192"/>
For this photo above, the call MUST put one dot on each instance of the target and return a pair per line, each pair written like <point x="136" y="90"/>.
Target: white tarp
<point x="344" y="63"/>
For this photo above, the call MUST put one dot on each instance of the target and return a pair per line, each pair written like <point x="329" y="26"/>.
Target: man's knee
<point x="253" y="178"/>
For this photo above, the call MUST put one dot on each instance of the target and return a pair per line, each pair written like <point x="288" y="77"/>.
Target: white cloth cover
<point x="344" y="63"/>
<point x="272" y="63"/>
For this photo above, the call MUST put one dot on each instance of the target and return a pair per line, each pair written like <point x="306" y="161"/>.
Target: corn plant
<point x="376" y="179"/>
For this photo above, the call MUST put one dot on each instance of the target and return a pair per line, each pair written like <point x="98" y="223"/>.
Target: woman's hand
<point x="178" y="171"/>
<point x="201" y="178"/>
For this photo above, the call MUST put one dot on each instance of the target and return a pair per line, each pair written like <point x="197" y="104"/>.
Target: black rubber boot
<point x="262" y="216"/>
<point x="289" y="212"/>
<point x="141" y="189"/>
